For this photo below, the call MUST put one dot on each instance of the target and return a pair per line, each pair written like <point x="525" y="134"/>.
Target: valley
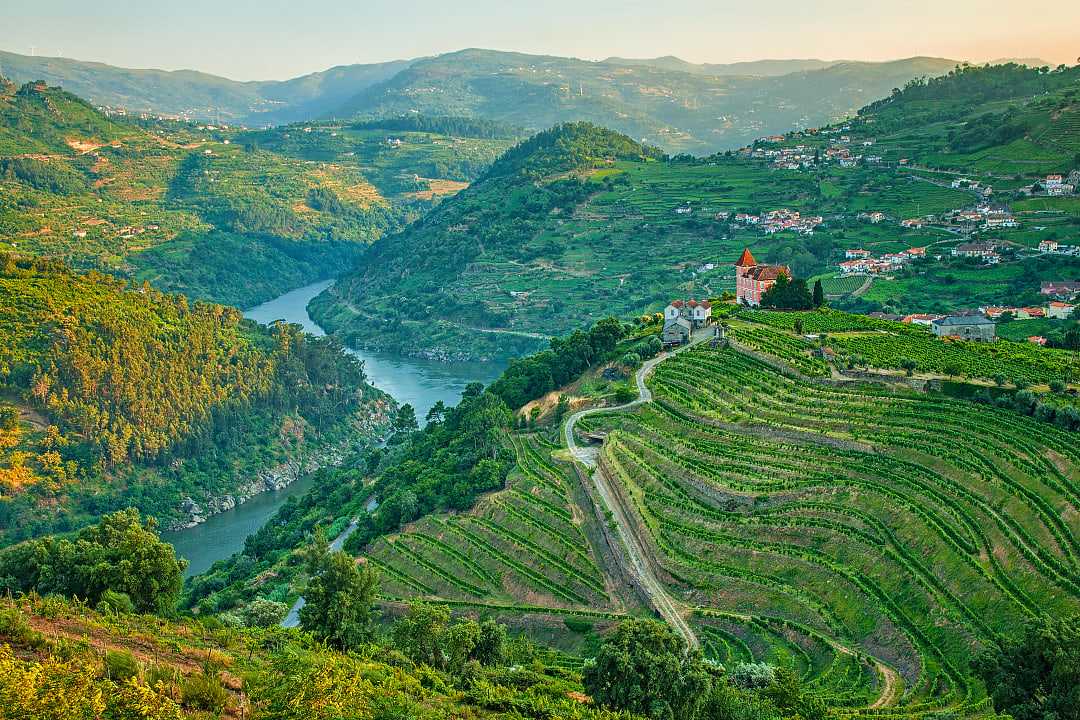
<point x="619" y="389"/>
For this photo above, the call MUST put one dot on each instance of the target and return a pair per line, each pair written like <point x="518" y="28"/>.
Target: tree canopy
<point x="121" y="554"/>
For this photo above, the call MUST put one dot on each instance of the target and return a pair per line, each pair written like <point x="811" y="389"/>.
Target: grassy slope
<point x="51" y="654"/>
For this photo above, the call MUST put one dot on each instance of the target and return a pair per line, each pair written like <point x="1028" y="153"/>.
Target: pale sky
<point x="277" y="39"/>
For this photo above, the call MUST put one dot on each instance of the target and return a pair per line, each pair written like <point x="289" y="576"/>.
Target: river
<point x="418" y="382"/>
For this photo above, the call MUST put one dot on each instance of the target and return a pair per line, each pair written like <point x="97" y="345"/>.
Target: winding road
<point x="640" y="566"/>
<point x="293" y="618"/>
<point x="639" y="559"/>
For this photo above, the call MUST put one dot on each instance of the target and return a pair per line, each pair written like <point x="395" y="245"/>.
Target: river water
<point x="421" y="383"/>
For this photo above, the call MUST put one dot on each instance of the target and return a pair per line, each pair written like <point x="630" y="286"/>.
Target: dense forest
<point x="111" y="378"/>
<point x="952" y="96"/>
<point x="464" y="127"/>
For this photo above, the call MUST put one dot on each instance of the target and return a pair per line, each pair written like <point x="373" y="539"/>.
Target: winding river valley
<point x="419" y="382"/>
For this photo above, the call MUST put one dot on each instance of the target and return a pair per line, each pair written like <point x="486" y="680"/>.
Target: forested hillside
<point x="186" y="206"/>
<point x="681" y="109"/>
<point x="113" y="395"/>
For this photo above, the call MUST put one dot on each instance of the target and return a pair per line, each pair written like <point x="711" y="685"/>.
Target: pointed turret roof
<point x="746" y="259"/>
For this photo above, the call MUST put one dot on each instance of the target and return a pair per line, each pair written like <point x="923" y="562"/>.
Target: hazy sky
<point x="246" y="40"/>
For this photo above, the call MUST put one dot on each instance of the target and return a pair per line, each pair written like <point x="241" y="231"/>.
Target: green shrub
<point x="115" y="602"/>
<point x="203" y="691"/>
<point x="15" y="628"/>
<point x="263" y="613"/>
<point x="163" y="678"/>
<point x="121" y="665"/>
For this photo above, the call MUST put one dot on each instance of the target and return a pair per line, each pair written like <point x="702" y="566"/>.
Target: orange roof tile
<point x="746" y="259"/>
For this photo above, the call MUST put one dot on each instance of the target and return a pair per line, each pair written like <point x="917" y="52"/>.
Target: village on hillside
<point x="682" y="319"/>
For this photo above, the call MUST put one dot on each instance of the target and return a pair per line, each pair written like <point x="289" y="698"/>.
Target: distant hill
<point x="668" y="105"/>
<point x="189" y="93"/>
<point x="667" y="102"/>
<point x="756" y="68"/>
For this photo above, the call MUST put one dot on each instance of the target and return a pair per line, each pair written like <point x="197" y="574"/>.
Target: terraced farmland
<point x="524" y="547"/>
<point x="869" y="538"/>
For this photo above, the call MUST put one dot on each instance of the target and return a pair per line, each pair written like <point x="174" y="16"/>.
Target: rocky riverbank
<point x="193" y="512"/>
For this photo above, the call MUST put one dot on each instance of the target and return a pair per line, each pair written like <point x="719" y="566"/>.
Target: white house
<point x="1059" y="310"/>
<point x="1048" y="246"/>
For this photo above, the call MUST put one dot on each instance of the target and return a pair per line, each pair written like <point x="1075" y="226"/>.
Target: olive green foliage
<point x="121" y="665"/>
<point x="203" y="691"/>
<point x="1036" y="676"/>
<point x="189" y="396"/>
<point x="444" y="466"/>
<point x="338" y="598"/>
<point x="122" y="554"/>
<point x="533" y="376"/>
<point x="645" y="668"/>
<point x="263" y="613"/>
<point x="427" y="637"/>
<point x="787" y="294"/>
<point x="115" y="602"/>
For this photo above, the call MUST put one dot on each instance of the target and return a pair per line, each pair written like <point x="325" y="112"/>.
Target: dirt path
<point x="638" y="559"/>
<point x="640" y="566"/>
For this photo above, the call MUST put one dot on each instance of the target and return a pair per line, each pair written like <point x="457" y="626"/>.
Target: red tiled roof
<point x="768" y="272"/>
<point x="746" y="259"/>
<point x="676" y="303"/>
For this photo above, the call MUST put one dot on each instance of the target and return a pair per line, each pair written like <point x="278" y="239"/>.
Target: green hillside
<point x="542" y="252"/>
<point x="853" y="524"/>
<point x="197" y="95"/>
<point x="113" y="395"/>
<point x="184" y="205"/>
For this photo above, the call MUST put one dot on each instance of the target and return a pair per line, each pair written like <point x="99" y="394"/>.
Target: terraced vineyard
<point x="524" y="547"/>
<point x="869" y="538"/>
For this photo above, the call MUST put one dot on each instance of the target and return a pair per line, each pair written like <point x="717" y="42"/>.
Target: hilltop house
<point x="966" y="327"/>
<point x="697" y="312"/>
<point x="753" y="280"/>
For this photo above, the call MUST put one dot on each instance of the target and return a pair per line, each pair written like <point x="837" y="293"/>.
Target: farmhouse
<point x="697" y="312"/>
<point x="1048" y="246"/>
<point x="967" y="327"/>
<point x="753" y="280"/>
<point x="925" y="319"/>
<point x="676" y="332"/>
<point x="856" y="253"/>
<point x="974" y="250"/>
<point x="1059" y="310"/>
